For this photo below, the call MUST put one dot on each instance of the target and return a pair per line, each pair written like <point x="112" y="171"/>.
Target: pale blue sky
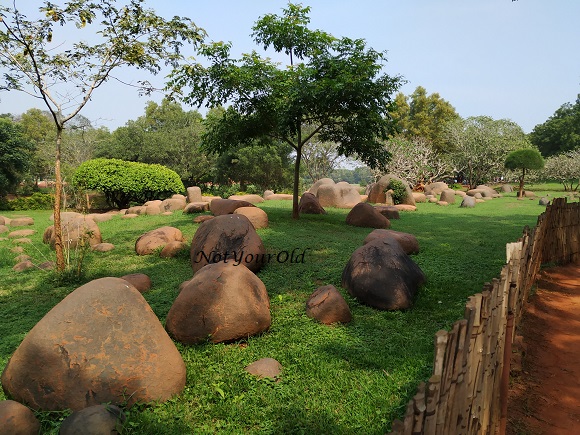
<point x="518" y="60"/>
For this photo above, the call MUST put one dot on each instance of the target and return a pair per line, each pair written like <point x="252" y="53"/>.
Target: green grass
<point x="342" y="379"/>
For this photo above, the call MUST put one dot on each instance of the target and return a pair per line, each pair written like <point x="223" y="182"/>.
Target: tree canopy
<point x="64" y="74"/>
<point x="425" y="116"/>
<point x="335" y="87"/>
<point x="526" y="159"/>
<point x="561" y="132"/>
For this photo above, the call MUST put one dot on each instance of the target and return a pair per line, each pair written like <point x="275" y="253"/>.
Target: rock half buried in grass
<point x="222" y="302"/>
<point x="265" y="368"/>
<point x="157" y="239"/>
<point x="98" y="419"/>
<point x="381" y="275"/>
<point x="365" y="215"/>
<point x="102" y="343"/>
<point x="229" y="238"/>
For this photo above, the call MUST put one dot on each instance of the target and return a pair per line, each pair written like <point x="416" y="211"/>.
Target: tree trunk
<point x="521" y="191"/>
<point x="60" y="264"/>
<point x="295" y="214"/>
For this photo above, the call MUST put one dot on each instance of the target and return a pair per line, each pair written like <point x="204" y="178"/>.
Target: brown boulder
<point x="381" y="275"/>
<point x="196" y="207"/>
<point x="328" y="306"/>
<point x="341" y="195"/>
<point x="22" y="222"/>
<point x="94" y="420"/>
<point x="156" y="239"/>
<point x="20" y="233"/>
<point x="202" y="218"/>
<point x="172" y="249"/>
<point x="129" y="216"/>
<point x="377" y="191"/>
<point x="176" y="202"/>
<point x="364" y="215"/>
<point x="230" y="238"/>
<point x="138" y="280"/>
<point x="254" y="199"/>
<point x="309" y="204"/>
<point x="388" y="211"/>
<point x="4" y="229"/>
<point x="103" y="247"/>
<point x="435" y="188"/>
<point x="101" y="343"/>
<point x="419" y="197"/>
<point x="448" y="196"/>
<point x="76" y="231"/>
<point x="221" y="207"/>
<point x="222" y="302"/>
<point x="194" y="194"/>
<point x="17" y="419"/>
<point x="100" y="217"/>
<point x="314" y="188"/>
<point x="407" y="241"/>
<point x="136" y="209"/>
<point x="66" y="215"/>
<point x="279" y="197"/>
<point x="406" y="207"/>
<point x="257" y="216"/>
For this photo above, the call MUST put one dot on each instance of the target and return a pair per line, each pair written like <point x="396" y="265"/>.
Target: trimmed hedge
<point x="125" y="182"/>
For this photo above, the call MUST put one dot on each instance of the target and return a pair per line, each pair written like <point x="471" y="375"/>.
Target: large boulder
<point x="254" y="199"/>
<point x="21" y="222"/>
<point x="314" y="188"/>
<point x="227" y="238"/>
<point x="468" y="201"/>
<point x="419" y="197"/>
<point x="381" y="275"/>
<point x="388" y="211"/>
<point x="101" y="343"/>
<point x="156" y="239"/>
<point x="257" y="216"/>
<point x="222" y="302"/>
<point x="76" y="231"/>
<point x="408" y="242"/>
<point x="220" y="207"/>
<point x="176" y="202"/>
<point x="196" y="207"/>
<point x="309" y="204"/>
<point x="328" y="306"/>
<point x="194" y="194"/>
<point x="377" y="191"/>
<point x="448" y="196"/>
<point x="341" y="195"/>
<point x="17" y="419"/>
<point x="507" y="188"/>
<point x="435" y="188"/>
<point x="364" y="215"/>
<point x="279" y="197"/>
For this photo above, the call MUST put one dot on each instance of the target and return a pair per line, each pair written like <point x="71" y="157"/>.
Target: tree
<point x="527" y="159"/>
<point x="564" y="168"/>
<point x="320" y="159"/>
<point x="39" y="128"/>
<point x="15" y="152"/>
<point x="64" y="75"/>
<point x="561" y="132"/>
<point x="336" y="91"/>
<point x="425" y="116"/>
<point x="480" y="145"/>
<point x="167" y="135"/>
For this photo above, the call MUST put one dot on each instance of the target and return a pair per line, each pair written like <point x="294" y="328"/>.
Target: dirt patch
<point x="545" y="395"/>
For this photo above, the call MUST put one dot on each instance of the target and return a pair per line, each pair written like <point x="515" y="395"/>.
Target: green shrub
<point x="36" y="201"/>
<point x="124" y="182"/>
<point x="399" y="191"/>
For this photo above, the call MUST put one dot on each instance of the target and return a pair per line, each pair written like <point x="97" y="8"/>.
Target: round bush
<point x="399" y="191"/>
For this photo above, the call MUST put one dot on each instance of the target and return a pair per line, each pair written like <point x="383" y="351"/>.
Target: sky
<point x="518" y="60"/>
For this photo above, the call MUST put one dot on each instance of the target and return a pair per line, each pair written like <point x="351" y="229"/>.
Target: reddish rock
<point x="94" y="420"/>
<point x="20" y="233"/>
<point x="221" y="207"/>
<point x="172" y="249"/>
<point x="328" y="306"/>
<point x="103" y="247"/>
<point x="419" y="197"/>
<point x="228" y="237"/>
<point x="129" y="216"/>
<point x="76" y="231"/>
<point x="17" y="419"/>
<point x="314" y="188"/>
<point x="309" y="204"/>
<point x="47" y="265"/>
<point x="203" y="218"/>
<point x="405" y="207"/>
<point x="364" y="215"/>
<point x="381" y="275"/>
<point x="22" y="222"/>
<point x="279" y="197"/>
<point x="435" y="188"/>
<point x="265" y="368"/>
<point x="136" y="209"/>
<point x="4" y="229"/>
<point x="157" y="239"/>
<point x="100" y="217"/>
<point x="257" y="216"/>
<point x="22" y="257"/>
<point x="222" y="302"/>
<point x="173" y="204"/>
<point x="66" y="215"/>
<point x="408" y="242"/>
<point x="377" y="191"/>
<point x="194" y="194"/>
<point x="448" y="196"/>
<point x="340" y="195"/>
<point x="138" y="280"/>
<point x="102" y="343"/>
<point x="196" y="207"/>
<point x="254" y="199"/>
<point x="388" y="211"/>
<point x="22" y="240"/>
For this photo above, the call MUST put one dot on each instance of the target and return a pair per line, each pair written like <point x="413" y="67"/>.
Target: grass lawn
<point x="342" y="379"/>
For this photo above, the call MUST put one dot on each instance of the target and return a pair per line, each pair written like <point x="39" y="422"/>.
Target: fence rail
<point x="467" y="392"/>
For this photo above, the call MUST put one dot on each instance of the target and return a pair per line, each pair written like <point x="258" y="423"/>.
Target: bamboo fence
<point x="467" y="392"/>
